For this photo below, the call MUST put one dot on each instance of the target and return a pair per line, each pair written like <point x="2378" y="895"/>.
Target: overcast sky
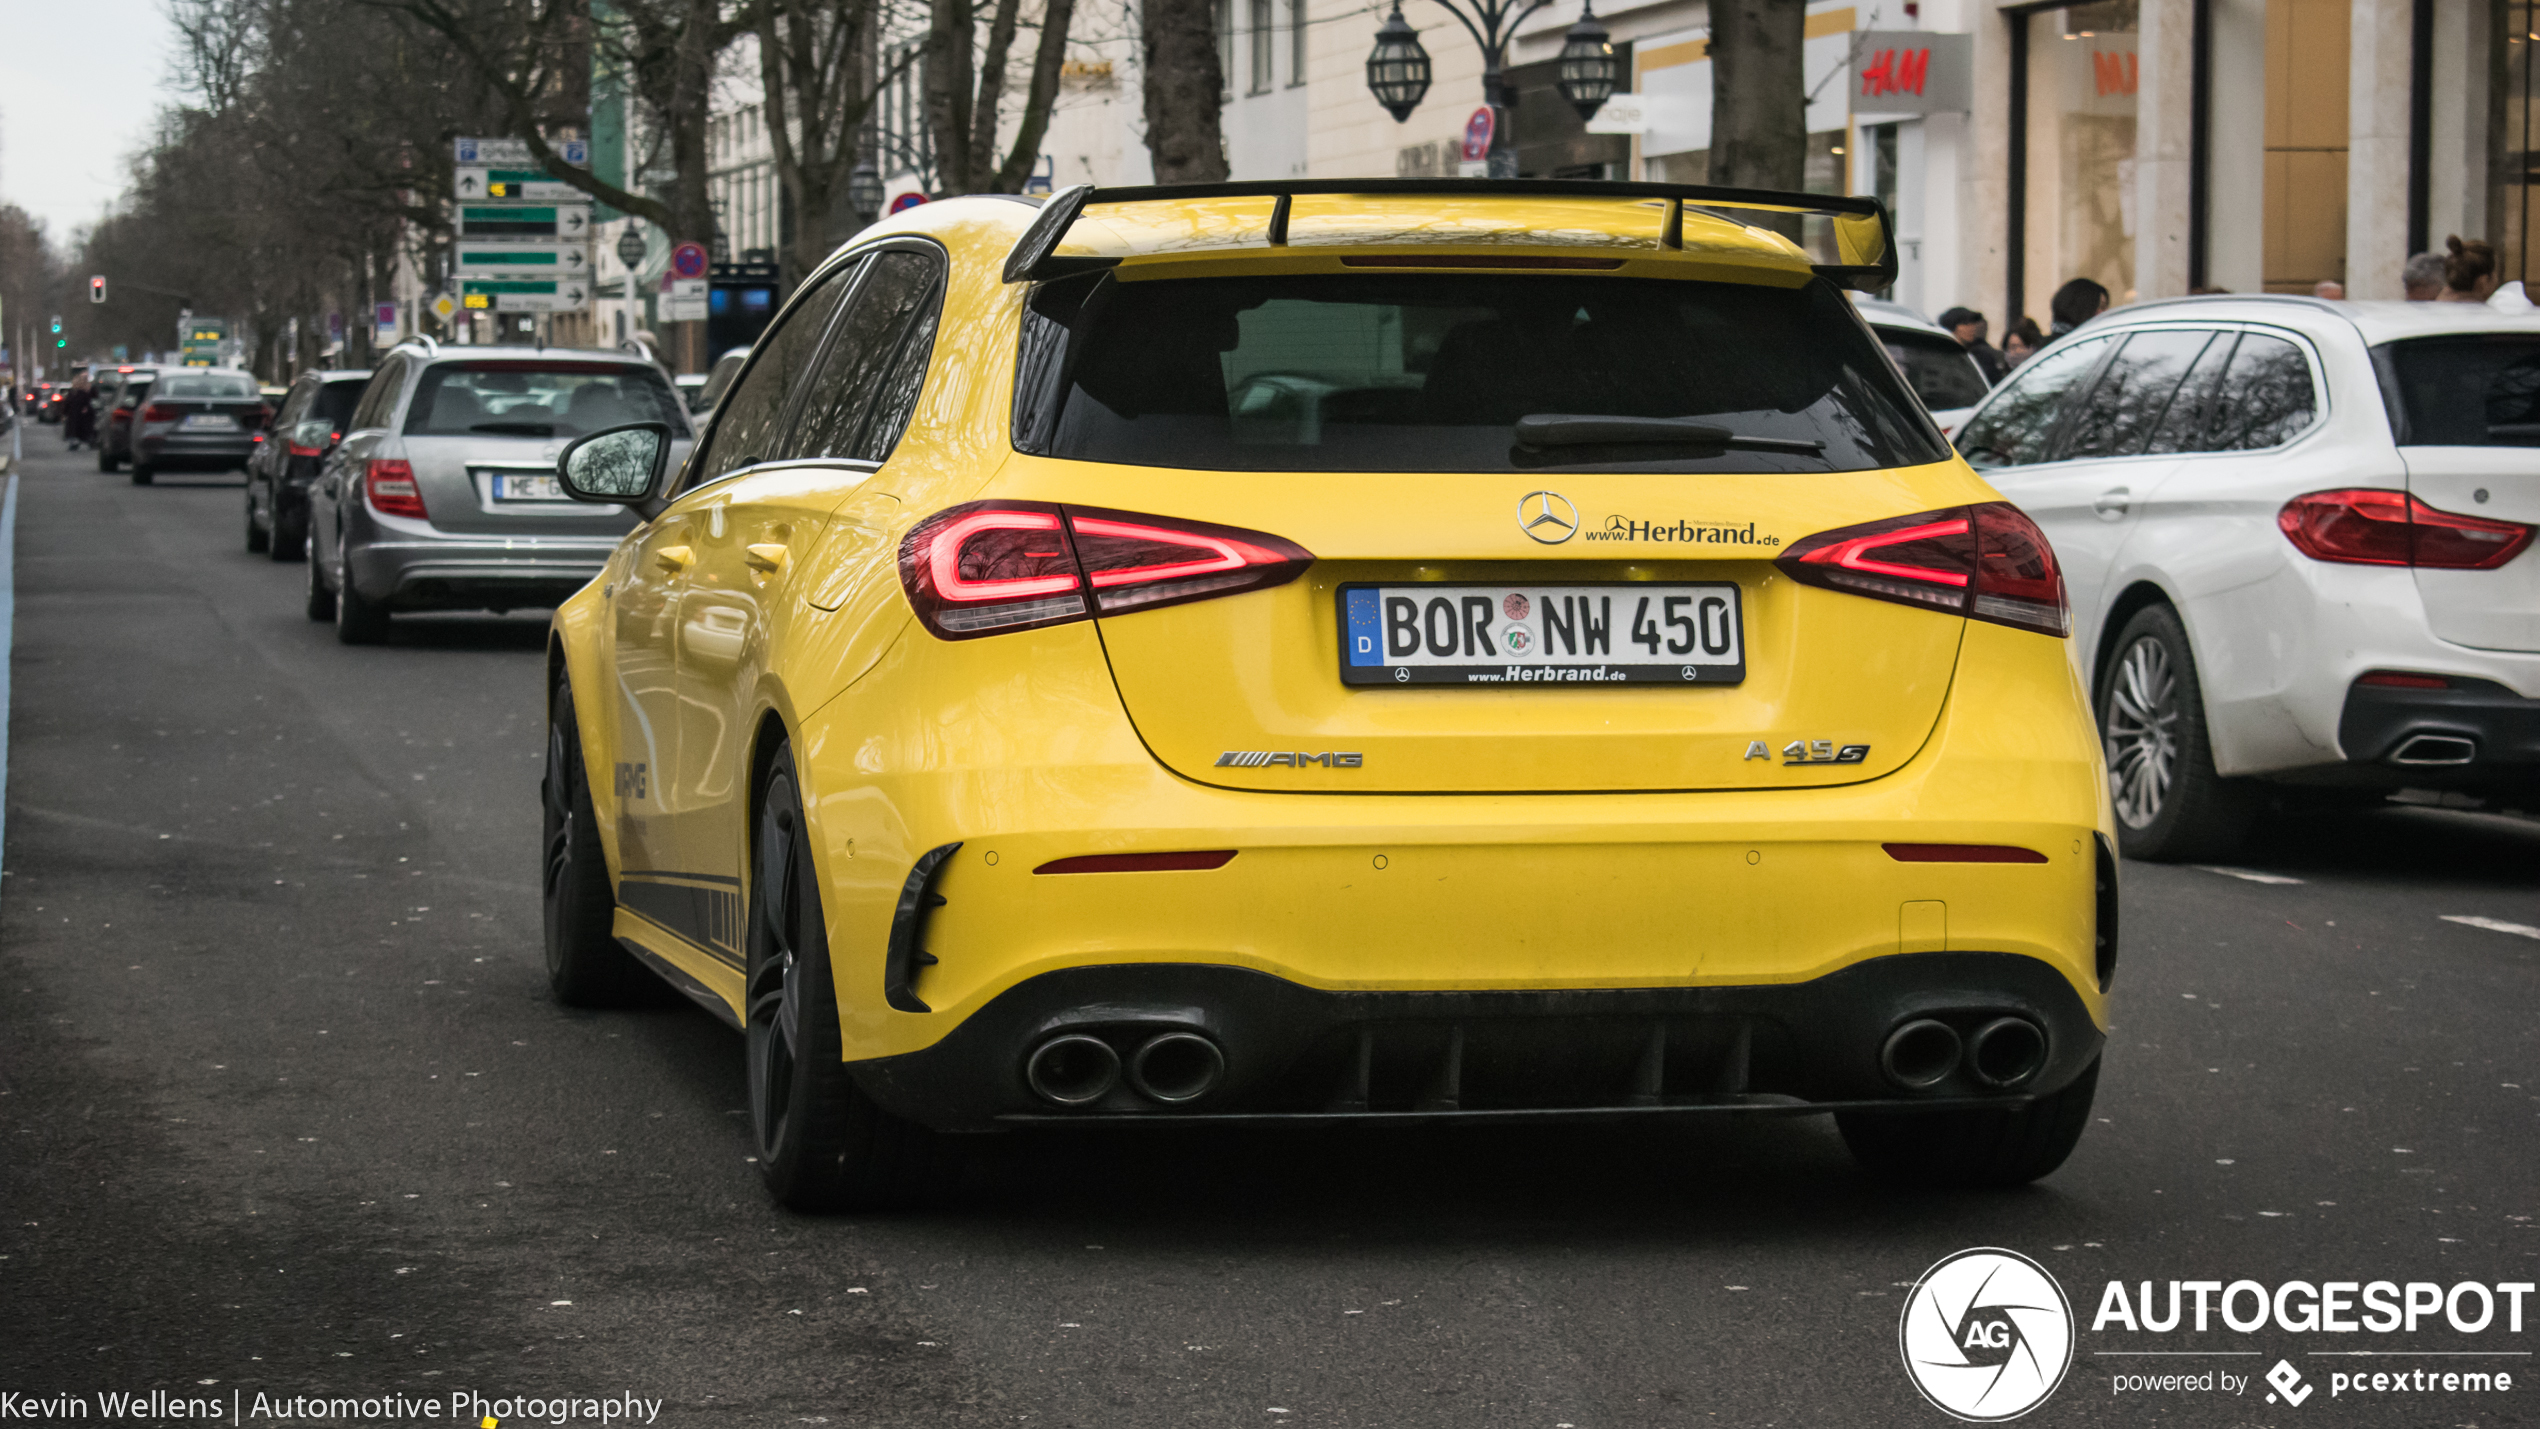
<point x="79" y="83"/>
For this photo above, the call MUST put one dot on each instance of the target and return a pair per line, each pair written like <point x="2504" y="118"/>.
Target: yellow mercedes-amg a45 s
<point x="1389" y="651"/>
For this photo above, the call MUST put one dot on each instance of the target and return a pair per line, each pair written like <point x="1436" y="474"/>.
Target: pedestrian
<point x="2330" y="289"/>
<point x="2021" y="343"/>
<point x="2422" y="279"/>
<point x="1968" y="326"/>
<point x="2075" y="303"/>
<point x="79" y="415"/>
<point x="2469" y="271"/>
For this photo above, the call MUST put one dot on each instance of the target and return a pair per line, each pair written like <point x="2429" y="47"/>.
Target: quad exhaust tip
<point x="2006" y="1051"/>
<point x="1073" y="1070"/>
<point x="1176" y="1067"/>
<point x="1922" y="1053"/>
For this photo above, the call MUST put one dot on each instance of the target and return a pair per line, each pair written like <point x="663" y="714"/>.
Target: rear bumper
<point x="499" y="573"/>
<point x="175" y="450"/>
<point x="1299" y="1054"/>
<point x="2476" y="734"/>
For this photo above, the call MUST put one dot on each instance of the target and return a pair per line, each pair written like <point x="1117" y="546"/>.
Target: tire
<point x="290" y="539"/>
<point x="1975" y="1148"/>
<point x="822" y="1144"/>
<point x="585" y="966"/>
<point x="142" y="475"/>
<point x="321" y="601"/>
<point x="358" y="620"/>
<point x="258" y="539"/>
<point x="106" y="463"/>
<point x="2170" y="803"/>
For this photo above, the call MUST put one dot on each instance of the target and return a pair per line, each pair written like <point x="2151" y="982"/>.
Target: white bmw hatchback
<point x="2293" y="533"/>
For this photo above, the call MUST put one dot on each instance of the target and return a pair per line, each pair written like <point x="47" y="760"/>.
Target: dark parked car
<point x="443" y="494"/>
<point x="121" y="394"/>
<point x="313" y="418"/>
<point x="198" y="419"/>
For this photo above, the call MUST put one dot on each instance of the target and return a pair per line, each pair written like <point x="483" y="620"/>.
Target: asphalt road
<point x="284" y="1108"/>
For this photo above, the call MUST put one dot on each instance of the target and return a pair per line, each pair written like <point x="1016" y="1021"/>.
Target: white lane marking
<point x="2493" y="925"/>
<point x="2251" y="874"/>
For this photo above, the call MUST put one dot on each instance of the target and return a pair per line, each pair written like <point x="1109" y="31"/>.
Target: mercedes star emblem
<point x="1547" y="516"/>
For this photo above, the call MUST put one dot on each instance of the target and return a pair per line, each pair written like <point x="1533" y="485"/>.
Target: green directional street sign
<point x="524" y="220"/>
<point x="507" y="258"/>
<point x="536" y="185"/>
<point x="524" y="295"/>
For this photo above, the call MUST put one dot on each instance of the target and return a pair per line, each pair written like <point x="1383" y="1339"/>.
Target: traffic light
<point x="57" y="322"/>
<point x="97" y="288"/>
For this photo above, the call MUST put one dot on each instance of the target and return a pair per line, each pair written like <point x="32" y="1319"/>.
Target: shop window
<point x="2519" y="187"/>
<point x="2305" y="175"/>
<point x="2080" y="222"/>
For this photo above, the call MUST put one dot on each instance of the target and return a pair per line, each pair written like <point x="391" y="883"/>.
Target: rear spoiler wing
<point x="1864" y="237"/>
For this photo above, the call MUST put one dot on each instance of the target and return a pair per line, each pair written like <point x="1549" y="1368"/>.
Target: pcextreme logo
<point x="1986" y="1335"/>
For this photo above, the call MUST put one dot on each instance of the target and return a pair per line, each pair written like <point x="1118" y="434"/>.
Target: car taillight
<point x="391" y="487"/>
<point x="989" y="567"/>
<point x="298" y="450"/>
<point x="156" y="412"/>
<point x="1985" y="562"/>
<point x="2367" y="527"/>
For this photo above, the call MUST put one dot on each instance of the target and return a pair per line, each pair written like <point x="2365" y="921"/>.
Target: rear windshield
<point x="335" y="401"/>
<point x="205" y="384"/>
<point x="530" y="399"/>
<point x="1940" y="371"/>
<point x="2479" y="390"/>
<point x="1432" y="373"/>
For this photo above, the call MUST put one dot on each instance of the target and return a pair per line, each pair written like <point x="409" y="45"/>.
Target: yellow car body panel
<point x="1713" y="872"/>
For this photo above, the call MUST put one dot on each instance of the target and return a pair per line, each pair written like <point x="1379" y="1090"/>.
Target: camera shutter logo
<point x="1986" y="1335"/>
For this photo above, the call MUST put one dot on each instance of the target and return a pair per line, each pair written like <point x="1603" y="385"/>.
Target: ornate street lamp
<point x="1398" y="67"/>
<point x="1589" y="71"/>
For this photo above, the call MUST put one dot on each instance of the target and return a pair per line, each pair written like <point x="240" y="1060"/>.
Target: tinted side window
<point x="2478" y="390"/>
<point x="335" y="402"/>
<point x="2133" y="394"/>
<point x="293" y="406"/>
<point x="897" y="401"/>
<point x="2017" y="427"/>
<point x="745" y="428"/>
<point x="834" y="419"/>
<point x="2270" y="396"/>
<point x="380" y="397"/>
<point x="2188" y="425"/>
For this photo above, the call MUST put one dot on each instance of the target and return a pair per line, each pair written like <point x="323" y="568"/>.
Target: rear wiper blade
<point x="1548" y="429"/>
<point x="516" y="429"/>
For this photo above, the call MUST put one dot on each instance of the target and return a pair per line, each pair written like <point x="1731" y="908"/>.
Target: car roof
<point x="530" y="354"/>
<point x="1879" y="312"/>
<point x="1323" y="227"/>
<point x="2376" y="321"/>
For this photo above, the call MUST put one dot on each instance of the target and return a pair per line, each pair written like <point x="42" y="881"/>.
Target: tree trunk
<point x="1759" y="99"/>
<point x="1185" y="90"/>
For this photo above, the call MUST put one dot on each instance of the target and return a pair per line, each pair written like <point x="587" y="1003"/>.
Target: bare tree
<point x="965" y="88"/>
<point x="1759" y="101"/>
<point x="1185" y="91"/>
<point x="817" y="66"/>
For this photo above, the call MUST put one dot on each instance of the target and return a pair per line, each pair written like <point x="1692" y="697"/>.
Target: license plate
<point x="210" y="421"/>
<point x="508" y="487"/>
<point x="1635" y="633"/>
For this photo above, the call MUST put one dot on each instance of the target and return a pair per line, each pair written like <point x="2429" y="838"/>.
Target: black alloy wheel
<point x="358" y="620"/>
<point x="2170" y="802"/>
<point x="1973" y="1148"/>
<point x="585" y="965"/>
<point x="822" y="1144"/>
<point x="320" y="602"/>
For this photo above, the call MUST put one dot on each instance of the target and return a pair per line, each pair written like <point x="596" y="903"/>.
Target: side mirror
<point x="618" y="467"/>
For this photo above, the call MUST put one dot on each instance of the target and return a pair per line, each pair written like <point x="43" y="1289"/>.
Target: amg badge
<point x="1259" y="758"/>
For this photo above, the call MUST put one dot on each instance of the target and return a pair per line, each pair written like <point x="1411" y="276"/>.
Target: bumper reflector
<point x="1140" y="862"/>
<point x="1962" y="853"/>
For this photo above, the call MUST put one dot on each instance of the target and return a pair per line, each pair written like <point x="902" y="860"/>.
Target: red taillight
<point x="157" y="412"/>
<point x="996" y="566"/>
<point x="1985" y="562"/>
<point x="298" y="450"/>
<point x="2365" y="527"/>
<point x="392" y="490"/>
<point x="2402" y="680"/>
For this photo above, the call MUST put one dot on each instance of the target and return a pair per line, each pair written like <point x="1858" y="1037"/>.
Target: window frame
<point x="1297" y="62"/>
<point x="1264" y="15"/>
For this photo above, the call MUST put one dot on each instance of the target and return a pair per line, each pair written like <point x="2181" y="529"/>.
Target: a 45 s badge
<point x="1810" y="751"/>
<point x="1987" y="1335"/>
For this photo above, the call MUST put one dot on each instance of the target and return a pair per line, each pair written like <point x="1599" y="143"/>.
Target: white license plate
<point x="210" y="422"/>
<point x="508" y="487"/>
<point x="1635" y="633"/>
